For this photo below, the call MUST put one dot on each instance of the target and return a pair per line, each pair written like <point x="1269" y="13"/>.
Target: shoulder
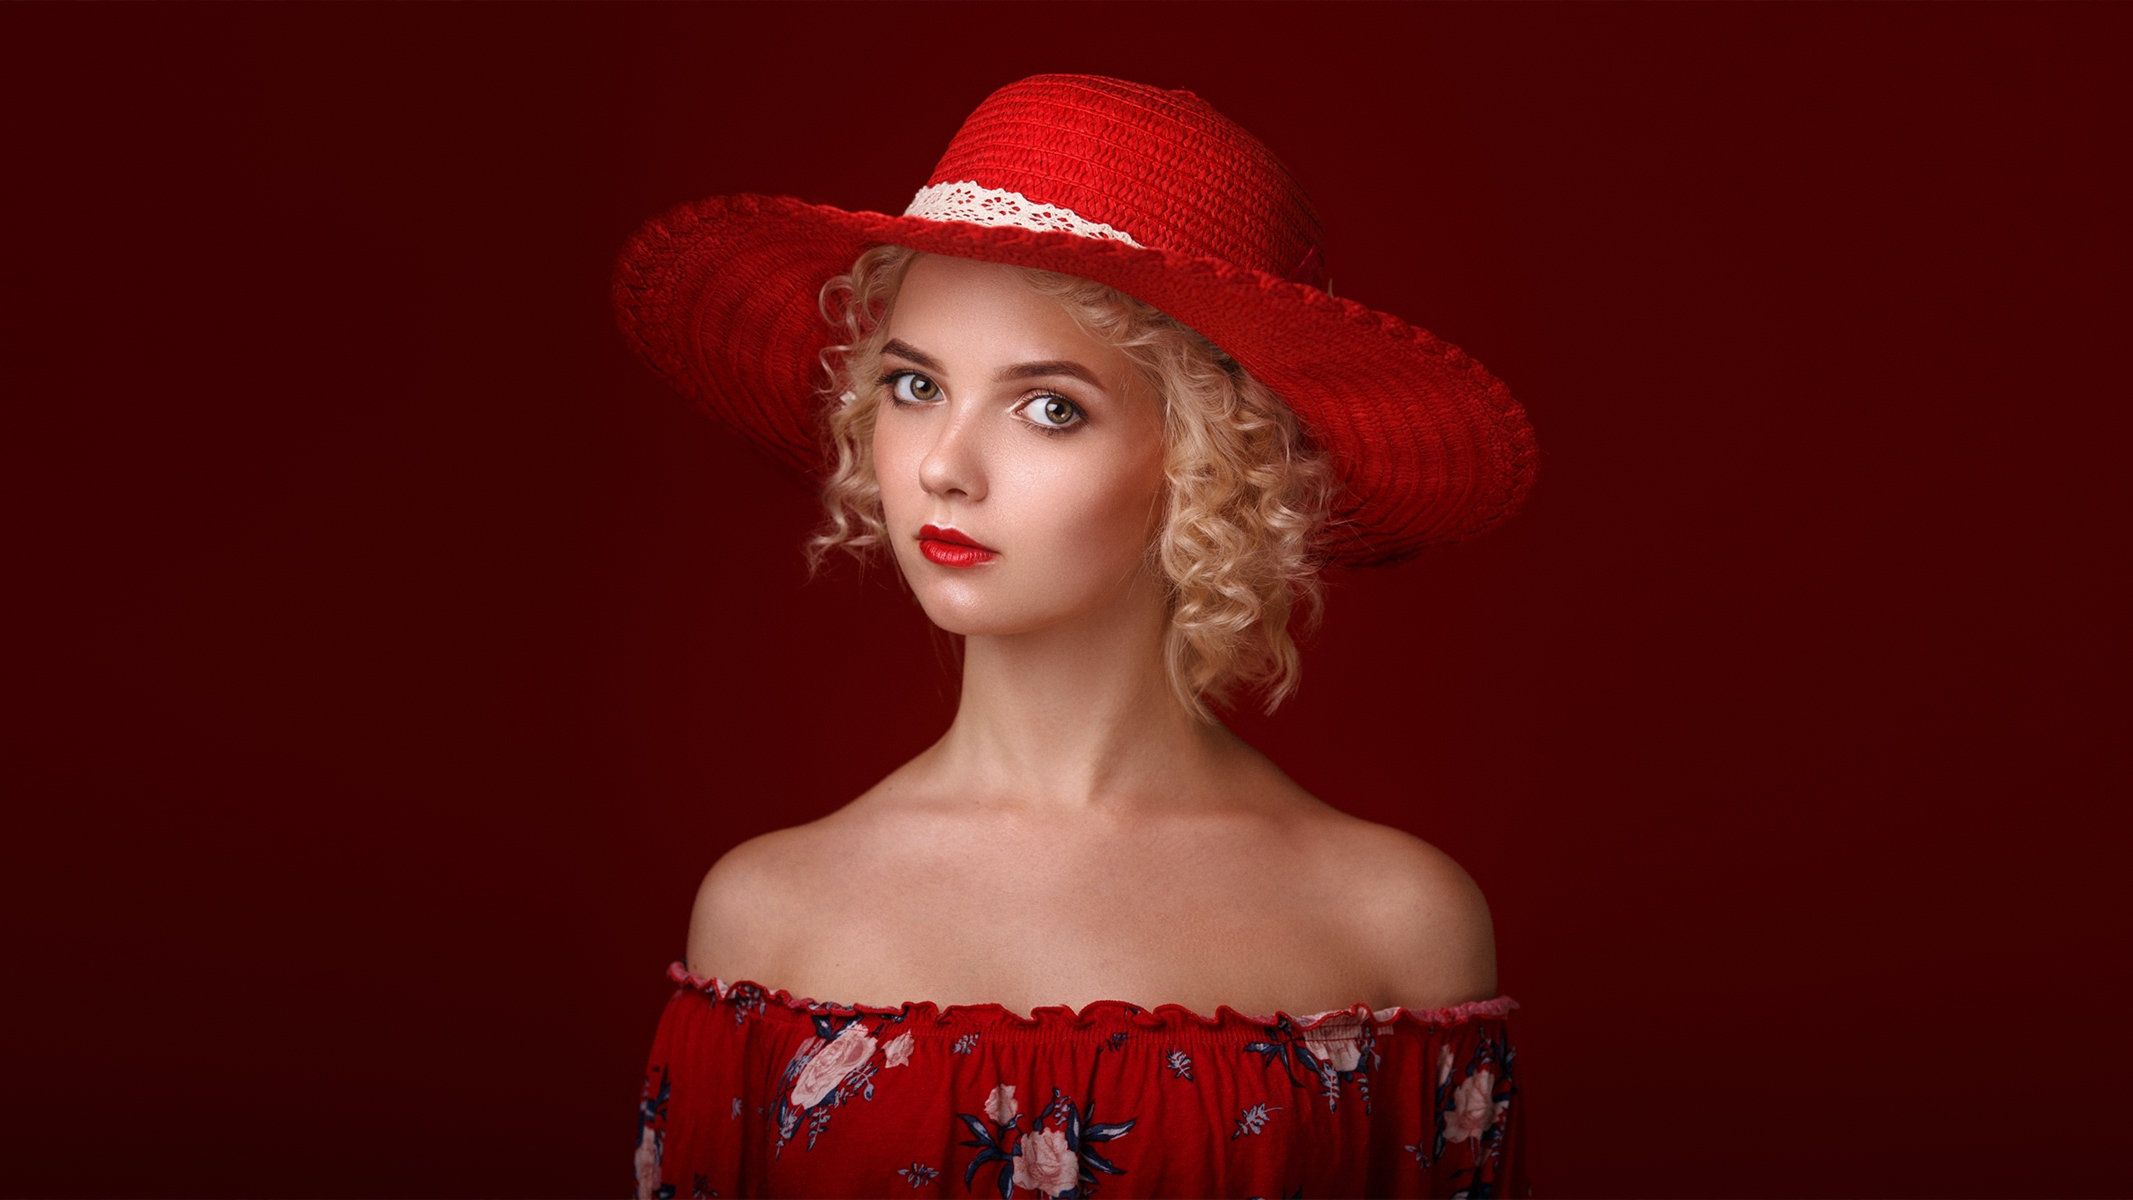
<point x="1418" y="916"/>
<point x="743" y="922"/>
<point x="758" y="913"/>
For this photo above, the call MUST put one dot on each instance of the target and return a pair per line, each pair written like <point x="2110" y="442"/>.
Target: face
<point x="1020" y="459"/>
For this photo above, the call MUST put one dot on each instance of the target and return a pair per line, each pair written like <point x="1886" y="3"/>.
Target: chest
<point x="1023" y="919"/>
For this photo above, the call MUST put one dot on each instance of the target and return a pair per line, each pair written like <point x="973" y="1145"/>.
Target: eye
<point x="1052" y="412"/>
<point x="910" y="387"/>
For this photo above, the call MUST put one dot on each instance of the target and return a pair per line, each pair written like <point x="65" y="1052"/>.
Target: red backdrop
<point x="393" y="654"/>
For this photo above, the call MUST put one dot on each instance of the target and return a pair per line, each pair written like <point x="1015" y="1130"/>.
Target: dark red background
<point x="393" y="654"/>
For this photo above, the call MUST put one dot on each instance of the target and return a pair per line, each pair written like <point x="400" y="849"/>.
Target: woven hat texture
<point x="1151" y="192"/>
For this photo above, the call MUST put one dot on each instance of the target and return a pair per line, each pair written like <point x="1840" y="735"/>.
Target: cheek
<point x="893" y="466"/>
<point x="1114" y="511"/>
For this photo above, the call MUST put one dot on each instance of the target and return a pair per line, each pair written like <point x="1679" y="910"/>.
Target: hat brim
<point x="720" y="297"/>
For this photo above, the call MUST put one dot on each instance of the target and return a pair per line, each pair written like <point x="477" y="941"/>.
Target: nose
<point x="954" y="465"/>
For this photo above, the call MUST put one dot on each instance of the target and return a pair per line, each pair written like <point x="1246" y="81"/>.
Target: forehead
<point x="960" y="307"/>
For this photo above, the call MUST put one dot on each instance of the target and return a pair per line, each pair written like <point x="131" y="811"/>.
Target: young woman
<point x="1091" y="396"/>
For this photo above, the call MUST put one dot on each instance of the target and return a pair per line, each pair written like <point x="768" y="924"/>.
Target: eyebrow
<point x="1034" y="370"/>
<point x="904" y="350"/>
<point x="1028" y="370"/>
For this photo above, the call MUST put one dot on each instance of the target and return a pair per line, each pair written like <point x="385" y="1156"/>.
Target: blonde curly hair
<point x="1245" y="494"/>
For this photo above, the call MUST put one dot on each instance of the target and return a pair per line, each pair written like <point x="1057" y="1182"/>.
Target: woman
<point x="1091" y="396"/>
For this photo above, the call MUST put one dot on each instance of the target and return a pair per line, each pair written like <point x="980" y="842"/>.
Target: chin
<point x="970" y="616"/>
<point x="971" y="605"/>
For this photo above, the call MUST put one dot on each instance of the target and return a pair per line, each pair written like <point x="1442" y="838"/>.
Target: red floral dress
<point x="754" y="1093"/>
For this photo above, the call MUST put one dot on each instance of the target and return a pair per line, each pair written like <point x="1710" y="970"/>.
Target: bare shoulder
<point x="743" y="924"/>
<point x="1420" y="916"/>
<point x="753" y="912"/>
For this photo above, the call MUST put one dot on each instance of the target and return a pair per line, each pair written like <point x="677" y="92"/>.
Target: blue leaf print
<point x="989" y="1154"/>
<point x="977" y="1127"/>
<point x="652" y="1109"/>
<point x="918" y="1174"/>
<point x="1322" y="1066"/>
<point x="1082" y="1131"/>
<point x="1077" y="1127"/>
<point x="746" y="998"/>
<point x="1180" y="1064"/>
<point x="856" y="1081"/>
<point x="1252" y="1121"/>
<point x="1099" y="1162"/>
<point x="966" y="1043"/>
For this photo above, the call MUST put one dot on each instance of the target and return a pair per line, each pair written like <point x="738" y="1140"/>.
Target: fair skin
<point x="1078" y="834"/>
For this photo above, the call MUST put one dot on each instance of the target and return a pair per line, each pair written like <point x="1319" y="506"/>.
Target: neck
<point x="1079" y="716"/>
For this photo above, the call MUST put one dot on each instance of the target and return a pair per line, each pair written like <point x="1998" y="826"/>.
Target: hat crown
<point x="1161" y="167"/>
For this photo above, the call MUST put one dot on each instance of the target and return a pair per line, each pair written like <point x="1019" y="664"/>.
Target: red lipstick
<point x="952" y="547"/>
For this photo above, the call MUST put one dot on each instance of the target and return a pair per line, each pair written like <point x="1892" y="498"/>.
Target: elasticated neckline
<point x="1098" y="1014"/>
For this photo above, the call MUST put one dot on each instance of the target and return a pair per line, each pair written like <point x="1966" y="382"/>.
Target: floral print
<point x="976" y="1101"/>
<point x="1056" y="1157"/>
<point x="824" y="1069"/>
<point x="1473" y="1108"/>
<point x="1338" y="1050"/>
<point x="649" y="1186"/>
<point x="1047" y="1164"/>
<point x="651" y="1135"/>
<point x="747" y="1000"/>
<point x="1251" y="1122"/>
<point x="837" y="1067"/>
<point x="1338" y="1040"/>
<point x="1472" y="1104"/>
<point x="897" y="1052"/>
<point x="1000" y="1106"/>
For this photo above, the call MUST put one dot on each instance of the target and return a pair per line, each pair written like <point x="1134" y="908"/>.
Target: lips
<point x="953" y="548"/>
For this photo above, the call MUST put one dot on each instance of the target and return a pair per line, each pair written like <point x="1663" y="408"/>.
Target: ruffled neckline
<point x="1097" y="1013"/>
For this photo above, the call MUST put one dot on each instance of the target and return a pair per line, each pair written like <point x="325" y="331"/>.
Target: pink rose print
<point x="1338" y="1039"/>
<point x="898" y="1051"/>
<point x="1444" y="1065"/>
<point x="1047" y="1165"/>
<point x="1042" y="1160"/>
<point x="648" y="1164"/>
<point x="1000" y="1106"/>
<point x="1472" y="1111"/>
<point x="830" y="1065"/>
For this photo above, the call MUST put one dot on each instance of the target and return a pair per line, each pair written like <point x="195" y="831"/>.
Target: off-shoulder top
<point x="751" y="1092"/>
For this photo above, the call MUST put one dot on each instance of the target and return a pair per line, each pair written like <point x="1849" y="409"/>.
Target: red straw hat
<point x="1152" y="192"/>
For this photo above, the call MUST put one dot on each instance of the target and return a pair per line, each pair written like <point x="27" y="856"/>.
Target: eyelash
<point x="889" y="379"/>
<point x="1081" y="417"/>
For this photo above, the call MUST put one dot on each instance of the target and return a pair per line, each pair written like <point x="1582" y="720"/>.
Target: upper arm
<point x="1430" y="924"/>
<point x="733" y="928"/>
